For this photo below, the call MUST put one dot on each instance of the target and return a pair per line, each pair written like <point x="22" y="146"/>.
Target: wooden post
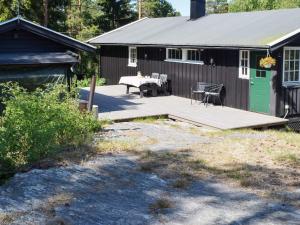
<point x="92" y="93"/>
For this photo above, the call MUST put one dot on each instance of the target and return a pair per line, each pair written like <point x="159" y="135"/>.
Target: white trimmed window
<point x="244" y="68"/>
<point x="193" y="55"/>
<point x="174" y="54"/>
<point x="132" y="58"/>
<point x="291" y="64"/>
<point x="184" y="55"/>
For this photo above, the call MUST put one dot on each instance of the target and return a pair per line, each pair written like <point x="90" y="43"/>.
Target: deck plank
<point x="115" y="105"/>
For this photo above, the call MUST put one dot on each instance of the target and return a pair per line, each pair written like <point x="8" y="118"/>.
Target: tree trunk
<point x="46" y="16"/>
<point x="140" y="8"/>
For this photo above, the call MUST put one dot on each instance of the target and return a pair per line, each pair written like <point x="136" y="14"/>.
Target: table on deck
<point x="143" y="83"/>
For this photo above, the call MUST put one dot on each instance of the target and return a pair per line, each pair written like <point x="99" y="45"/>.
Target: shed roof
<point x="37" y="58"/>
<point x="261" y="29"/>
<point x="19" y="22"/>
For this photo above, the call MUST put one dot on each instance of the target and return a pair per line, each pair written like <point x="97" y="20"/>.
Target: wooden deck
<point x="115" y="105"/>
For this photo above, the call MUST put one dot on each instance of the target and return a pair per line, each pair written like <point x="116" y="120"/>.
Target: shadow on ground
<point x="115" y="189"/>
<point x="110" y="103"/>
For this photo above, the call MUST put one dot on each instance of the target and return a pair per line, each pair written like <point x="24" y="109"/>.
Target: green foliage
<point x="253" y="5"/>
<point x="37" y="124"/>
<point x="87" y="81"/>
<point x="158" y="8"/>
<point x="216" y="6"/>
<point x="33" y="10"/>
<point x="115" y="13"/>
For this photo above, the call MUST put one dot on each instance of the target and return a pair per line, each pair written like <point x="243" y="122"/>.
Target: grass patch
<point x="150" y="119"/>
<point x="6" y="219"/>
<point x="291" y="159"/>
<point x="160" y="206"/>
<point x="181" y="183"/>
<point x="116" y="146"/>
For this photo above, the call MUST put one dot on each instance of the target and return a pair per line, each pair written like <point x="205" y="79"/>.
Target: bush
<point x="86" y="82"/>
<point x="37" y="124"/>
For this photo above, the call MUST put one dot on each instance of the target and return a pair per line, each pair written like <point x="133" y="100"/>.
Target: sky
<point x="183" y="6"/>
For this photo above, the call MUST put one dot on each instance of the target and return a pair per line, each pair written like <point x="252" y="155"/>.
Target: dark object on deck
<point x="215" y="92"/>
<point x="164" y="83"/>
<point x="92" y="93"/>
<point x="199" y="89"/>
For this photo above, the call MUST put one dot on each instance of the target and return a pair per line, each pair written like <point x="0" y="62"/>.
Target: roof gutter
<point x="188" y="46"/>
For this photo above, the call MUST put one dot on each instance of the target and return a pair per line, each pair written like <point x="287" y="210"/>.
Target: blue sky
<point x="183" y="6"/>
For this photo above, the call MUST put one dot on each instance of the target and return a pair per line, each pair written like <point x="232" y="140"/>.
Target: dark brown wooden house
<point x="33" y="54"/>
<point x="219" y="48"/>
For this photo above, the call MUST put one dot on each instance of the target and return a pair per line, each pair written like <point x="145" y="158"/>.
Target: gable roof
<point x="19" y="22"/>
<point x="261" y="29"/>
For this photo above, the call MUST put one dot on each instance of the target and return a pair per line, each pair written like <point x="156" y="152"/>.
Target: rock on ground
<point x="113" y="189"/>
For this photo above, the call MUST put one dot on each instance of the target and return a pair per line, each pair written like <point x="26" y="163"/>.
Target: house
<point x="33" y="54"/>
<point x="218" y="48"/>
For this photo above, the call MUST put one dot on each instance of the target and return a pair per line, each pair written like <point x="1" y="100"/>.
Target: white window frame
<point x="130" y="63"/>
<point x="242" y="68"/>
<point x="173" y="60"/>
<point x="283" y="65"/>
<point x="192" y="61"/>
<point x="184" y="58"/>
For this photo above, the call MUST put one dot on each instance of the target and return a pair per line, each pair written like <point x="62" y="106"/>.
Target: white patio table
<point x="143" y="83"/>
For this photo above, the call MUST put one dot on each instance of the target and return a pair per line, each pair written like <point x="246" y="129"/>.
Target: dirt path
<point x="116" y="189"/>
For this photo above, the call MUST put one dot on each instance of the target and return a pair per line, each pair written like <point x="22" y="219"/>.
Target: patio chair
<point x="200" y="89"/>
<point x="215" y="92"/>
<point x="155" y="75"/>
<point x="164" y="83"/>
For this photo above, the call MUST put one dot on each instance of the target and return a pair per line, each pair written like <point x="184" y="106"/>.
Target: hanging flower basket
<point x="267" y="62"/>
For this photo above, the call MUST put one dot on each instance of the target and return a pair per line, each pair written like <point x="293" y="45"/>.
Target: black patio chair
<point x="155" y="75"/>
<point x="214" y="91"/>
<point x="164" y="83"/>
<point x="199" y="89"/>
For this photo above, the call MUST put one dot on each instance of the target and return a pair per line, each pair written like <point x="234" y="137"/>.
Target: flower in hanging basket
<point x="267" y="62"/>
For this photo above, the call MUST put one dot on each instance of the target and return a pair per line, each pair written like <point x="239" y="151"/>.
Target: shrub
<point x="37" y="124"/>
<point x="87" y="81"/>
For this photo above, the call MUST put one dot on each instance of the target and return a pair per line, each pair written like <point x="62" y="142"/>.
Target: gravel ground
<point x="112" y="189"/>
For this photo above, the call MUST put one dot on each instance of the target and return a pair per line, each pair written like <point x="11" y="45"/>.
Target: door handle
<point x="252" y="83"/>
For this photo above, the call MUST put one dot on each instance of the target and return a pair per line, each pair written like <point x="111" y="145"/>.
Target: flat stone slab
<point x="112" y="189"/>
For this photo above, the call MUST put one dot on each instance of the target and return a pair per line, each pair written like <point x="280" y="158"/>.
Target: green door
<point x="259" y="85"/>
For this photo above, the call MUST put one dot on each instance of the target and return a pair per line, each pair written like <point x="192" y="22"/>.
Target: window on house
<point x="193" y="55"/>
<point x="132" y="59"/>
<point x="260" y="72"/>
<point x="174" y="54"/>
<point x="244" y="69"/>
<point x="184" y="55"/>
<point x="291" y="68"/>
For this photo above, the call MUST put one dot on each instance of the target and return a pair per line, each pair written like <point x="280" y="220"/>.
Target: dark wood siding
<point x="24" y="41"/>
<point x="285" y="96"/>
<point x="114" y="64"/>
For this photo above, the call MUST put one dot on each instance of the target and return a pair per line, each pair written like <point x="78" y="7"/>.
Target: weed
<point x="181" y="183"/>
<point x="160" y="205"/>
